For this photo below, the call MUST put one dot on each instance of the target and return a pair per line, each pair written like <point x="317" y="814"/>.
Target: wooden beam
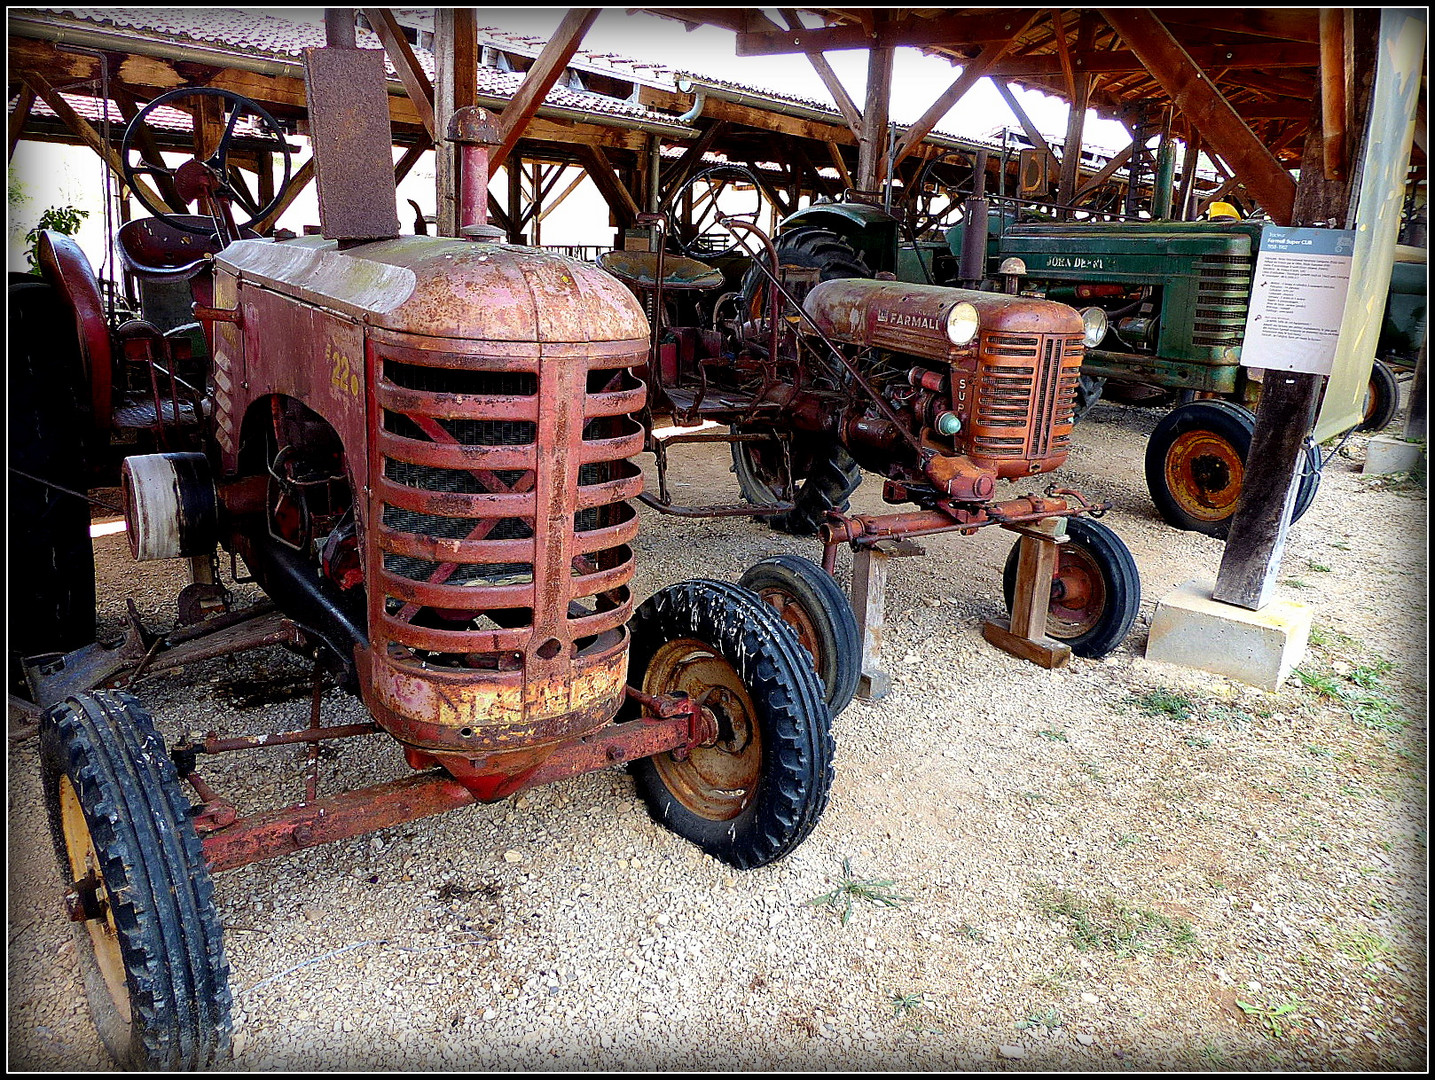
<point x="408" y="160"/>
<point x="85" y="132"/>
<point x="538" y="81"/>
<point x="620" y="200"/>
<point x="1264" y="57"/>
<point x="1189" y="163"/>
<point x="1107" y="171"/>
<point x="835" y="152"/>
<point x="845" y="105"/>
<point x="676" y="175"/>
<point x="455" y="86"/>
<point x="1334" y="75"/>
<point x="401" y="55"/>
<point x="1063" y="54"/>
<point x="18" y="115"/>
<point x="971" y="72"/>
<point x="774" y="196"/>
<point x="872" y="144"/>
<point x="1035" y="136"/>
<point x="1204" y="106"/>
<point x="950" y="30"/>
<point x="297" y="184"/>
<point x="582" y="175"/>
<point x="144" y="136"/>
<point x="1290" y="24"/>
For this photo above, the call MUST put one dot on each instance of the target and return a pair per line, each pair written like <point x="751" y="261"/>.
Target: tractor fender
<point x="870" y="230"/>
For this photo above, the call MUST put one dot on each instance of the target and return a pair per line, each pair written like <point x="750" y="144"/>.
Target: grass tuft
<point x="873" y="890"/>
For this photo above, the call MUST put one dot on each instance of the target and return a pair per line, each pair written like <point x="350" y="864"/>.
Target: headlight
<point x="963" y="322"/>
<point x="1094" y="319"/>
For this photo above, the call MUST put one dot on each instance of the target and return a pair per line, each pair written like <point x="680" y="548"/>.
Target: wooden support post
<point x="514" y="166"/>
<point x="872" y="146"/>
<point x="1289" y="400"/>
<point x="1024" y="635"/>
<point x="401" y="55"/>
<point x="455" y="86"/>
<point x="869" y="604"/>
<point x="1071" y="152"/>
<point x="19" y="115"/>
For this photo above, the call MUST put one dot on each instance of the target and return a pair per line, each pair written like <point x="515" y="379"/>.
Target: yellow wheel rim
<point x="84" y="863"/>
<point x="1204" y="474"/>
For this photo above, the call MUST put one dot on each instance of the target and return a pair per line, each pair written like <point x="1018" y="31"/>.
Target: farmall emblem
<point x="898" y="318"/>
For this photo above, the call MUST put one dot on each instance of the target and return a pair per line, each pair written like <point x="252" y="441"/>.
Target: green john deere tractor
<point x="1165" y="304"/>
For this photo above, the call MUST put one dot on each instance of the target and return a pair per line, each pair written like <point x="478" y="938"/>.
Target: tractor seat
<point x="154" y="249"/>
<point x="640" y="270"/>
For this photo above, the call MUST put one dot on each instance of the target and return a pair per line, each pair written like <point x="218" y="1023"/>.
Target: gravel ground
<point x="1116" y="865"/>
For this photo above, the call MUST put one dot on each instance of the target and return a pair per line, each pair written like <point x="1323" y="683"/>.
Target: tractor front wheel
<point x="1196" y="466"/>
<point x="149" y="942"/>
<point x="814" y="605"/>
<point x="1382" y="398"/>
<point x="754" y="793"/>
<point x="1095" y="589"/>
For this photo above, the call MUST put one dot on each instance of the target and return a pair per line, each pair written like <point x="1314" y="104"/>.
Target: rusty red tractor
<point x="819" y="370"/>
<point x="421" y="449"/>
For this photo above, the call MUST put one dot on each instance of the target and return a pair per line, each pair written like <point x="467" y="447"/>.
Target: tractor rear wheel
<point x="1196" y="466"/>
<point x="51" y="559"/>
<point x="814" y="605"/>
<point x="1095" y="589"/>
<point x="823" y="478"/>
<point x="750" y="797"/>
<point x="149" y="939"/>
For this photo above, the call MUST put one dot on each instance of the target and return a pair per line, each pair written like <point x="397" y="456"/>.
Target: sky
<point x="52" y="175"/>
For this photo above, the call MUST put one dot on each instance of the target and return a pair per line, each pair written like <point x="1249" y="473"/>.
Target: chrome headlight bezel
<point x="1095" y="325"/>
<point x="964" y="322"/>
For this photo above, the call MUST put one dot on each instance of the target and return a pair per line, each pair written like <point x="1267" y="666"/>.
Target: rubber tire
<point x="1088" y="393"/>
<point x="1311" y="471"/>
<point x="1120" y="578"/>
<point x="827" y="610"/>
<point x="51" y="558"/>
<point x="161" y="898"/>
<point x="795" y="727"/>
<point x="1229" y="422"/>
<point x="827" y="484"/>
<point x="1383" y="398"/>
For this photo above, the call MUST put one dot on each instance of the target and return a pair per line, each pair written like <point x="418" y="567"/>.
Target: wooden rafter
<point x="129" y="108"/>
<point x="973" y="71"/>
<point x="19" y="115"/>
<point x="538" y="81"/>
<point x="1035" y="136"/>
<point x="677" y="174"/>
<point x="1191" y="91"/>
<point x="911" y="31"/>
<point x="620" y="200"/>
<point x="401" y="55"/>
<point x="297" y="184"/>
<point x="845" y="105"/>
<point x="85" y="132"/>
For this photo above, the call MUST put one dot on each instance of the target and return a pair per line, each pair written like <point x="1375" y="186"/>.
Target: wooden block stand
<point x="1025" y="634"/>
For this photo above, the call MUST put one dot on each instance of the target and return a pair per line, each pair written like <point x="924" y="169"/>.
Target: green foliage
<point x="1112" y="927"/>
<point x="1164" y="703"/>
<point x="64" y="219"/>
<point x="1277" y="1019"/>
<point x="873" y="890"/>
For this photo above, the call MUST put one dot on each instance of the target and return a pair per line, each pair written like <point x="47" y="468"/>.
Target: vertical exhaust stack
<point x="349" y="129"/>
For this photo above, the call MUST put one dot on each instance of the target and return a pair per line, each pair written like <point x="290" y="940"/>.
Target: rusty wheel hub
<point x="1078" y="594"/>
<point x="716" y="780"/>
<point x="1204" y="474"/>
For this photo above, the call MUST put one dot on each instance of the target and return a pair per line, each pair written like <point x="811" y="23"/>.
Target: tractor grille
<point x="1223" y="290"/>
<point x="501" y="526"/>
<point x="1021" y="418"/>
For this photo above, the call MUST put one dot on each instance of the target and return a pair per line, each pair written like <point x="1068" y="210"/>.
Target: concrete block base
<point x="1391" y="454"/>
<point x="1256" y="647"/>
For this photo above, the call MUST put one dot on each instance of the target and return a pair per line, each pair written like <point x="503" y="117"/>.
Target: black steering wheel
<point x="704" y="237"/>
<point x="214" y="183"/>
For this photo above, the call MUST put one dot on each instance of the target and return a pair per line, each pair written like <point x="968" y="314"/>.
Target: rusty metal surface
<point x="349" y="126"/>
<point x="500" y="563"/>
<point x="339" y="817"/>
<point x="64" y="265"/>
<point x="640" y="268"/>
